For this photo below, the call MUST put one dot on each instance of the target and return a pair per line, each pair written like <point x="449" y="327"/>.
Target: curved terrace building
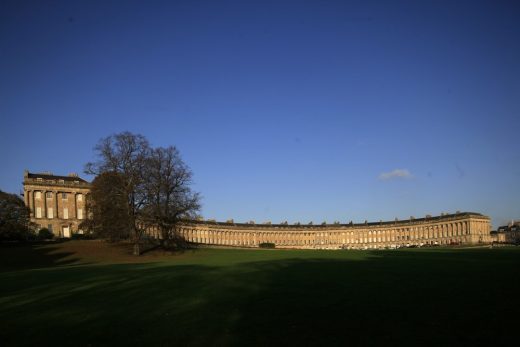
<point x="459" y="228"/>
<point x="58" y="203"/>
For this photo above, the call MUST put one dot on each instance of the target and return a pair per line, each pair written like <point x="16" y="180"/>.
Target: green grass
<point x="57" y="295"/>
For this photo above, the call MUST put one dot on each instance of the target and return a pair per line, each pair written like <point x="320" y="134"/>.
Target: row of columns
<point x="30" y="201"/>
<point x="433" y="234"/>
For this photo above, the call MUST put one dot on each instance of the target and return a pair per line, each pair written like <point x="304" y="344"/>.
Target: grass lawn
<point x="88" y="293"/>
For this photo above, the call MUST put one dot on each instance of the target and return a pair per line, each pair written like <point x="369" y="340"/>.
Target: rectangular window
<point x="61" y="181"/>
<point x="80" y="213"/>
<point x="37" y="195"/>
<point x="38" y="212"/>
<point x="80" y="197"/>
<point x="65" y="213"/>
<point x="49" y="226"/>
<point x="39" y="179"/>
<point x="50" y="213"/>
<point x="64" y="196"/>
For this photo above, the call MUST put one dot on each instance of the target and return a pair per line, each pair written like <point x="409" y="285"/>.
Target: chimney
<point x="73" y="174"/>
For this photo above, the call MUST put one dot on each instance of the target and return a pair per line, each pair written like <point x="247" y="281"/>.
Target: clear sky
<point x="285" y="110"/>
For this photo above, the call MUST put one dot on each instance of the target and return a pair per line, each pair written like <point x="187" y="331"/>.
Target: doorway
<point x="66" y="231"/>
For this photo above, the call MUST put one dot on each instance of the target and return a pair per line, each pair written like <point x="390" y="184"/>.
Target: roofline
<point x="32" y="175"/>
<point x="343" y="225"/>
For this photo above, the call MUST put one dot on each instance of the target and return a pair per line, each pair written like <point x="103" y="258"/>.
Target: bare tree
<point x="109" y="213"/>
<point x="126" y="154"/>
<point x="170" y="199"/>
<point x="154" y="182"/>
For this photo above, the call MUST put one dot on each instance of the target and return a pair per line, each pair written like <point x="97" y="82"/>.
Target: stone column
<point x="33" y="204"/>
<point x="75" y="194"/>
<point x="44" y="198"/>
<point x="30" y="202"/>
<point x="26" y="198"/>
<point x="56" y="204"/>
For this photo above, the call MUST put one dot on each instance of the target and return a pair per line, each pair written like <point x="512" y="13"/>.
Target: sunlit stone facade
<point x="56" y="202"/>
<point x="465" y="228"/>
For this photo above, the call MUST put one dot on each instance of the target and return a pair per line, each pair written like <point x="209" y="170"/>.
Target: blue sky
<point x="284" y="110"/>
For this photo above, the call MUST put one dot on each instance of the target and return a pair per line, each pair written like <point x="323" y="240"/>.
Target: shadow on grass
<point x="370" y="298"/>
<point x="20" y="256"/>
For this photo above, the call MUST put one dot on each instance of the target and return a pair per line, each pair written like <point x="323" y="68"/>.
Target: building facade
<point x="465" y="228"/>
<point x="507" y="233"/>
<point x="59" y="204"/>
<point x="56" y="202"/>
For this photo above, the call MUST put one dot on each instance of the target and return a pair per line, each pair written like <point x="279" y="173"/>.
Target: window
<point x="50" y="213"/>
<point x="48" y="195"/>
<point x="64" y="196"/>
<point x="61" y="181"/>
<point x="80" y="197"/>
<point x="38" y="212"/>
<point x="49" y="226"/>
<point x="65" y="213"/>
<point x="39" y="179"/>
<point x="37" y="195"/>
<point x="80" y="213"/>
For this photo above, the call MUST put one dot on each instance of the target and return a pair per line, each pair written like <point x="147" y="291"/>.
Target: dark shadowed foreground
<point x="69" y="294"/>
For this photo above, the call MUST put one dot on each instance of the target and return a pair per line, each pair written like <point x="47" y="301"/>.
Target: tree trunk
<point x="137" y="248"/>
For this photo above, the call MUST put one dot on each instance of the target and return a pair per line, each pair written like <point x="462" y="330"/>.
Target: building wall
<point x="463" y="229"/>
<point x="508" y="233"/>
<point x="60" y="205"/>
<point x="56" y="204"/>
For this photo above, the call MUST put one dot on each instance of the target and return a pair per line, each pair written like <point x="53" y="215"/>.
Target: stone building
<point x="56" y="202"/>
<point x="467" y="228"/>
<point x="507" y="233"/>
